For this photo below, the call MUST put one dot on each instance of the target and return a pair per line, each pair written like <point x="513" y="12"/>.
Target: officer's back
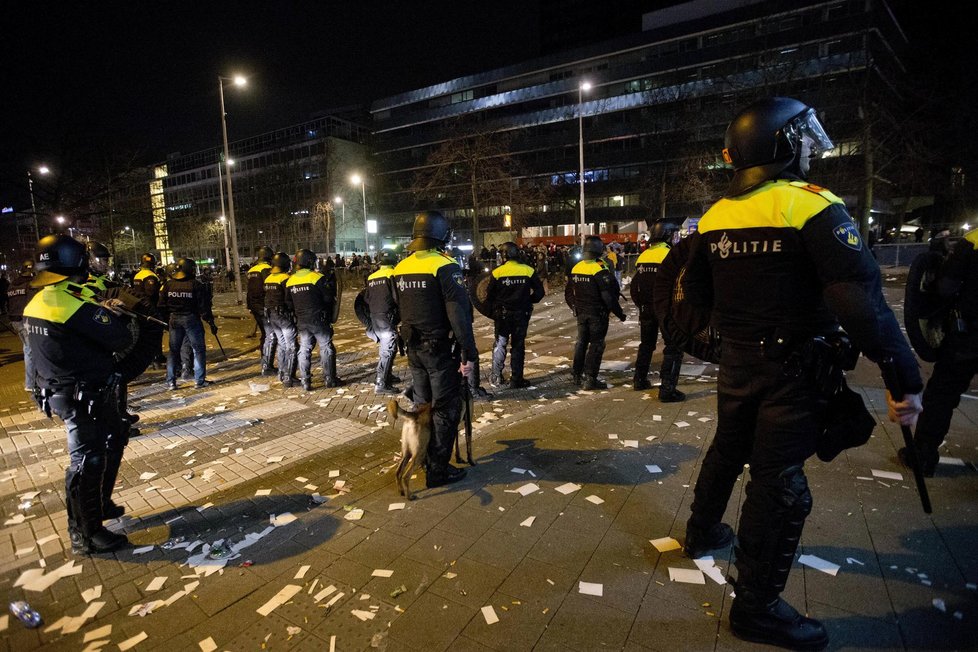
<point x="591" y="279"/>
<point x="515" y="286"/>
<point x="311" y="296"/>
<point x="380" y="295"/>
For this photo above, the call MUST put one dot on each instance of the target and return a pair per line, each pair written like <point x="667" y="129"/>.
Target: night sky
<point x="141" y="77"/>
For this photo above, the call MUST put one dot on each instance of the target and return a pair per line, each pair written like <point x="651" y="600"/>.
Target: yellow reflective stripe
<point x="276" y="278"/>
<point x="96" y="281"/>
<point x="654" y="254"/>
<point x="143" y="273"/>
<point x="777" y="204"/>
<point x="972" y="237"/>
<point x="588" y="267"/>
<point x="257" y="267"/>
<point x="303" y="277"/>
<point x="53" y="304"/>
<point x="422" y="262"/>
<point x="384" y="272"/>
<point x="513" y="268"/>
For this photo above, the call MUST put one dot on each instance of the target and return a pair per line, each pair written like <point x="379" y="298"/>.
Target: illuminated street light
<point x="224" y="228"/>
<point x="238" y="81"/>
<point x="30" y="187"/>
<point x="132" y="232"/>
<point x="584" y="86"/>
<point x="356" y="179"/>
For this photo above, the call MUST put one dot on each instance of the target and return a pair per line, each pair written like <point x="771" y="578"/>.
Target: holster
<point x="823" y="359"/>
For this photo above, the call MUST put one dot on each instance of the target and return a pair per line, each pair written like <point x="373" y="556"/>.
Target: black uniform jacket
<point x="310" y="295"/>
<point x="256" y="285"/>
<point x="72" y="338"/>
<point x="186" y="297"/>
<point x="786" y="256"/>
<point x="384" y="313"/>
<point x="959" y="280"/>
<point x="595" y="289"/>
<point x="19" y="294"/>
<point x="514" y="287"/>
<point x="275" y="291"/>
<point x="641" y="288"/>
<point x="146" y="284"/>
<point x="433" y="300"/>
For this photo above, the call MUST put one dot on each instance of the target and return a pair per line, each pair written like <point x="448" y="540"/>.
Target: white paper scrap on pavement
<point x="686" y="575"/>
<point x="653" y="468"/>
<point x="301" y="573"/>
<point x="528" y="522"/>
<point x="93" y="593"/>
<point x="657" y="417"/>
<point x="393" y="507"/>
<point x="363" y="615"/>
<point x="149" y="475"/>
<point x="952" y="461"/>
<point x="568" y="488"/>
<point x="591" y="588"/>
<point x="665" y="544"/>
<point x="278" y="520"/>
<point x="132" y="642"/>
<point x="594" y="499"/>
<point x="887" y="475"/>
<point x="490" y="615"/>
<point x="207" y="645"/>
<point x="4" y="622"/>
<point x="612" y="436"/>
<point x="96" y="634"/>
<point x="335" y="473"/>
<point x="275" y="459"/>
<point x="939" y="605"/>
<point x="525" y="490"/>
<point x="710" y="569"/>
<point x="630" y="443"/>
<point x="381" y="572"/>
<point x="263" y="492"/>
<point x="280" y="598"/>
<point x="819" y="564"/>
<point x="156" y="584"/>
<point x="516" y="469"/>
<point x="301" y="479"/>
<point x="324" y="593"/>
<point x="682" y="424"/>
<point x="354" y="514"/>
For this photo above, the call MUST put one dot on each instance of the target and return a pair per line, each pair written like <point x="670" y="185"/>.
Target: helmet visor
<point x="807" y="125"/>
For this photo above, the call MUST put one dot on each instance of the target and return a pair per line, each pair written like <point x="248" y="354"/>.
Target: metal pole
<point x="132" y="232"/>
<point x="224" y="219"/>
<point x="232" y="226"/>
<point x="580" y="153"/>
<point x="30" y="187"/>
<point x="366" y="236"/>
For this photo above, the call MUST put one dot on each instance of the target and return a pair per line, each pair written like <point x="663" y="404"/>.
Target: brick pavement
<point x="457" y="550"/>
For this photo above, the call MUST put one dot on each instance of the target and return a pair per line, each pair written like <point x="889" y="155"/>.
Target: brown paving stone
<point x="473" y="584"/>
<point x="431" y="623"/>
<point x="520" y="624"/>
<point x="584" y="624"/>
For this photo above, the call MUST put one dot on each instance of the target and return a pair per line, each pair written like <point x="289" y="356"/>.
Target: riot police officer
<point x="19" y="294"/>
<point x="779" y="261"/>
<point x="256" y="294"/>
<point x="592" y="292"/>
<point x="187" y="302"/>
<point x="73" y="340"/>
<point x="311" y="296"/>
<point x="513" y="289"/>
<point x="436" y="324"/>
<point x="280" y="321"/>
<point x="146" y="285"/>
<point x="641" y="290"/>
<point x="384" y="318"/>
<point x="957" y="357"/>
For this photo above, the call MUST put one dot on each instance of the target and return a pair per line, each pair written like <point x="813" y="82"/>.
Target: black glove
<point x="621" y="317"/>
<point x="213" y="328"/>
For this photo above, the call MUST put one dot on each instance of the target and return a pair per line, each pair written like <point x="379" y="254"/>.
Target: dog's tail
<point x="393" y="409"/>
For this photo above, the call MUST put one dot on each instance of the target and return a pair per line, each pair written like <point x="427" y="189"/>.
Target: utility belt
<point x="415" y="339"/>
<point x="823" y="359"/>
<point x="503" y="312"/>
<point x="87" y="395"/>
<point x="277" y="310"/>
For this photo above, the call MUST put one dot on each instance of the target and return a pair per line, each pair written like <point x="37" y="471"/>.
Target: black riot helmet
<point x="431" y="230"/>
<point x="148" y="261"/>
<point x="98" y="257"/>
<point x="593" y="247"/>
<point x="663" y="231"/>
<point x="765" y="139"/>
<point x="263" y="253"/>
<point x="509" y="251"/>
<point x="186" y="268"/>
<point x="281" y="263"/>
<point x="305" y="259"/>
<point x="387" y="258"/>
<point x="59" y="257"/>
<point x="27" y="268"/>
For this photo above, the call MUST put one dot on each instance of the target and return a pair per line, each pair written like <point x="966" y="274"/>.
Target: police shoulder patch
<point x="811" y="187"/>
<point x="101" y="317"/>
<point x="848" y="235"/>
<point x="459" y="279"/>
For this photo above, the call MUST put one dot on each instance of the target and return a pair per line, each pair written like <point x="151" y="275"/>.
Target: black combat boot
<point x="671" y="365"/>
<point x="699" y="542"/>
<point x="641" y="384"/>
<point x="307" y="384"/>
<point x="518" y="382"/>
<point x="593" y="382"/>
<point x="438" y="477"/>
<point x="112" y="463"/>
<point x="84" y="497"/>
<point x="928" y="463"/>
<point x="771" y="620"/>
<point x="383" y="388"/>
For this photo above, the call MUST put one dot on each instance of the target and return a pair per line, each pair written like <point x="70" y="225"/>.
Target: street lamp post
<point x="227" y="251"/>
<point x="583" y="86"/>
<point x="337" y="200"/>
<point x="132" y="232"/>
<point x="30" y="187"/>
<point x="356" y="179"/>
<point x="237" y="81"/>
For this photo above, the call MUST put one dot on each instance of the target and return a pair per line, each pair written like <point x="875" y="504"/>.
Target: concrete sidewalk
<point x="355" y="570"/>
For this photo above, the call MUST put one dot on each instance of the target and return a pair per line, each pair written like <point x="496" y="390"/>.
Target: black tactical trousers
<point x="770" y="421"/>
<point x="591" y="331"/>
<point x="309" y="336"/>
<point x="510" y="329"/>
<point x="387" y="345"/>
<point x="956" y="366"/>
<point x="259" y="316"/>
<point x="281" y="334"/>
<point x="672" y="355"/>
<point x="436" y="380"/>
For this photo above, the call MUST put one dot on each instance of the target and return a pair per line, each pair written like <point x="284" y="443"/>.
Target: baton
<point x="120" y="308"/>
<point x="892" y="381"/>
<point x="219" y="344"/>
<point x="467" y="406"/>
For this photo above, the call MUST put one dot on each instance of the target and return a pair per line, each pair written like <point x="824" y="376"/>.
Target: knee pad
<point x="795" y="496"/>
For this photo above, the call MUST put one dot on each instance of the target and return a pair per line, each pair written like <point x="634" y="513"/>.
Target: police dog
<point x="415" y="435"/>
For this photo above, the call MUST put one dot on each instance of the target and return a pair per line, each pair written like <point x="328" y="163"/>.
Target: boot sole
<point x="755" y="636"/>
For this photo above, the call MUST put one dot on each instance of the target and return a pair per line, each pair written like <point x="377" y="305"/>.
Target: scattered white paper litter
<point x="363" y="615"/>
<point x="335" y="473"/>
<point x="528" y="522"/>
<point x="490" y="615"/>
<point x="568" y="488"/>
<point x="819" y="564"/>
<point x="710" y="569"/>
<point x="525" y="490"/>
<point x="279" y="599"/>
<point x="682" y="424"/>
<point x="301" y="573"/>
<point x="207" y="645"/>
<point x="278" y="520"/>
<point x="149" y="475"/>
<point x="395" y="506"/>
<point x="952" y="461"/>
<point x="329" y="590"/>
<point x="263" y="492"/>
<point x="96" y="634"/>
<point x="653" y="468"/>
<point x="594" y="499"/>
<point x="665" y="544"/>
<point x="275" y="459"/>
<point x="939" y="605"/>
<point x="612" y="436"/>
<point x="301" y="479"/>
<point x="156" y="584"/>
<point x="591" y="588"/>
<point x="887" y="475"/>
<point x="132" y="642"/>
<point x="686" y="575"/>
<point x="381" y="572"/>
<point x="517" y="470"/>
<point x="630" y="443"/>
<point x="93" y="593"/>
<point x="657" y="417"/>
<point x="354" y="515"/>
